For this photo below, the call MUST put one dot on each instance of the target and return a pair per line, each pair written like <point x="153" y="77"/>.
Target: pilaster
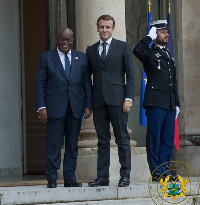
<point x="189" y="81"/>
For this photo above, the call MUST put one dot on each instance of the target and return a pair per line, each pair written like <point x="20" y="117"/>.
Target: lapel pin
<point x="157" y="55"/>
<point x="76" y="58"/>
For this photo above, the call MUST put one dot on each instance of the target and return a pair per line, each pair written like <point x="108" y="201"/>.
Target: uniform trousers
<point x="68" y="126"/>
<point x="103" y="116"/>
<point x="159" y="139"/>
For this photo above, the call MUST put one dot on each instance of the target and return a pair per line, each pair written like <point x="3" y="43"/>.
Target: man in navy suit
<point x="111" y="62"/>
<point x="63" y="93"/>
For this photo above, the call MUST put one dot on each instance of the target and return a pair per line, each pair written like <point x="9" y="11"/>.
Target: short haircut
<point x="61" y="30"/>
<point x="106" y="18"/>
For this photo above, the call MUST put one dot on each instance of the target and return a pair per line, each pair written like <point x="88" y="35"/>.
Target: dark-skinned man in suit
<point x="111" y="63"/>
<point x="63" y="93"/>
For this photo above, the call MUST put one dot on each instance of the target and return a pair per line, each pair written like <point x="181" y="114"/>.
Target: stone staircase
<point x="138" y="193"/>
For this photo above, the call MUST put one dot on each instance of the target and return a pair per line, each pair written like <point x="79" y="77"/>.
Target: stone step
<point x="137" y="193"/>
<point x="137" y="201"/>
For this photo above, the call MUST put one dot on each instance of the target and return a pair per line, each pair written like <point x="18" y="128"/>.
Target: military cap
<point x="159" y="24"/>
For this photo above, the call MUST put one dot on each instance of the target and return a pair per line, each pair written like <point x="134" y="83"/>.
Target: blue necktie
<point x="67" y="66"/>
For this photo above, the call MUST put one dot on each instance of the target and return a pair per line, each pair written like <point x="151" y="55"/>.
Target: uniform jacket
<point x="161" y="88"/>
<point x="53" y="90"/>
<point x="109" y="83"/>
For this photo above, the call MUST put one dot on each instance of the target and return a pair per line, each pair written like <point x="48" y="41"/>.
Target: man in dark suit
<point x="111" y="63"/>
<point x="63" y="93"/>
<point x="161" y="99"/>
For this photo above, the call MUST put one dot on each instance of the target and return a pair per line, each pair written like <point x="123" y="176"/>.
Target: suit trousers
<point x="102" y="118"/>
<point x="159" y="139"/>
<point x="68" y="126"/>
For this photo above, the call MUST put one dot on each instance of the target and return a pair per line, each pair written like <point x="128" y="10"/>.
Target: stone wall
<point x="189" y="75"/>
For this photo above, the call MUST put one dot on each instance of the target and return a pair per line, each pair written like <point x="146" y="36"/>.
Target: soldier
<point x="161" y="99"/>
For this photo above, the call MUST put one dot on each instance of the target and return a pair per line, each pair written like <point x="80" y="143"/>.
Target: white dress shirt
<point x="161" y="47"/>
<point x="62" y="57"/>
<point x="107" y="46"/>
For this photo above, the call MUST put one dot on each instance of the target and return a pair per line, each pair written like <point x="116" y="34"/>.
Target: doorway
<point x="34" y="42"/>
<point x="40" y="20"/>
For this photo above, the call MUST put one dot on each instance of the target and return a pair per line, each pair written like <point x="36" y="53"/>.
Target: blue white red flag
<point x="169" y="46"/>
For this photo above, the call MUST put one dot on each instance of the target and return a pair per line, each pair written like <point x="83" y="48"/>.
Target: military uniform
<point x="160" y="100"/>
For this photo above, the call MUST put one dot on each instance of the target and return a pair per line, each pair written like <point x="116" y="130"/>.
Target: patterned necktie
<point x="103" y="53"/>
<point x="67" y="66"/>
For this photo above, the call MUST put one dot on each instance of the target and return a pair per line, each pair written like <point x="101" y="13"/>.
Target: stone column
<point x="87" y="13"/>
<point x="189" y="81"/>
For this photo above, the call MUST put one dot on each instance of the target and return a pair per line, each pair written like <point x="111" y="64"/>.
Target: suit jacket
<point x="161" y="88"/>
<point x="114" y="80"/>
<point x="53" y="90"/>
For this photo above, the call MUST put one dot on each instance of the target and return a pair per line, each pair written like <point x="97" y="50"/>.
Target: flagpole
<point x="149" y="4"/>
<point x="169" y="8"/>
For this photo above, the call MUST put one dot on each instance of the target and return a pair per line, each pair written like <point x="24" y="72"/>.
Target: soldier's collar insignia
<point x="157" y="55"/>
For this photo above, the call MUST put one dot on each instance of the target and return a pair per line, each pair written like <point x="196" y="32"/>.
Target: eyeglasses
<point x="69" y="40"/>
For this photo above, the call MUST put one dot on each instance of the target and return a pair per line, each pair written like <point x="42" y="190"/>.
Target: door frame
<point x="23" y="102"/>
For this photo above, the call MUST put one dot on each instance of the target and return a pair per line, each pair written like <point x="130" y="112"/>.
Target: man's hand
<point x="88" y="113"/>
<point x="127" y="105"/>
<point x="152" y="33"/>
<point x="42" y="115"/>
<point x="177" y="111"/>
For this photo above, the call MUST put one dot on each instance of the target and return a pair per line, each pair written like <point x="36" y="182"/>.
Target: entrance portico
<point x="26" y="31"/>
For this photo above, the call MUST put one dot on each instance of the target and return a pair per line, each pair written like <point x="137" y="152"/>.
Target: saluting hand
<point x="152" y="33"/>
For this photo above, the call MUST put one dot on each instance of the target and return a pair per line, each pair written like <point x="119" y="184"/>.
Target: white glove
<point x="152" y="33"/>
<point x="177" y="111"/>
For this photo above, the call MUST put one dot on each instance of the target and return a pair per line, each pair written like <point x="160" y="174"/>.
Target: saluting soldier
<point x="161" y="99"/>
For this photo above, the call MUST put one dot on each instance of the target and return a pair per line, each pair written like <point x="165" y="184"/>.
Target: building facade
<point x="29" y="28"/>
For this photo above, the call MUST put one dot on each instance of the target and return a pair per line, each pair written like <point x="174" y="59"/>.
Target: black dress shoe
<point x="100" y="181"/>
<point x="52" y="184"/>
<point x="72" y="183"/>
<point x="124" y="181"/>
